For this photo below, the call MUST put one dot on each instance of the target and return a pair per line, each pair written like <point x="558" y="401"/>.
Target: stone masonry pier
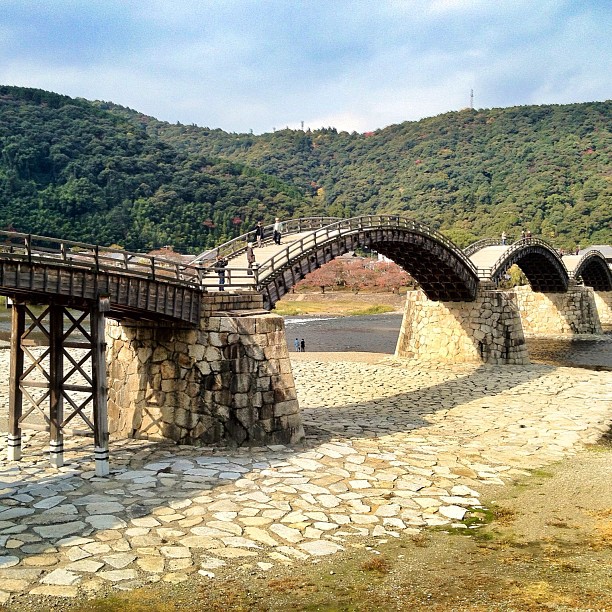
<point x="486" y="330"/>
<point x="228" y="380"/>
<point x="572" y="312"/>
<point x="603" y="302"/>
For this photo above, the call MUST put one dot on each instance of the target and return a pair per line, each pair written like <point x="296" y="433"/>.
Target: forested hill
<point x="73" y="170"/>
<point x="98" y="172"/>
<point x="471" y="173"/>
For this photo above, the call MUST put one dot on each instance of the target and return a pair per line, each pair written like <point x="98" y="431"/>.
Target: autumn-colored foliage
<point x="357" y="274"/>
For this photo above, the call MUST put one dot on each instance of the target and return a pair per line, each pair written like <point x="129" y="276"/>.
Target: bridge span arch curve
<point x="443" y="272"/>
<point x="592" y="270"/>
<point x="538" y="260"/>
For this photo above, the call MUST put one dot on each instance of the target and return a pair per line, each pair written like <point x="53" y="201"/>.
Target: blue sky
<point x="260" y="65"/>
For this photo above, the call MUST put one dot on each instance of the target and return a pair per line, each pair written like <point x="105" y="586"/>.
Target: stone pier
<point x="487" y="330"/>
<point x="572" y="312"/>
<point x="603" y="303"/>
<point x="228" y="380"/>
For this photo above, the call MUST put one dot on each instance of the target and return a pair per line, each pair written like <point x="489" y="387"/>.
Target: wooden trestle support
<point x="43" y="368"/>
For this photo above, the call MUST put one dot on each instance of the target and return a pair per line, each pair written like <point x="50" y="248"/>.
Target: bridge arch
<point x="593" y="270"/>
<point x="441" y="269"/>
<point x="540" y="263"/>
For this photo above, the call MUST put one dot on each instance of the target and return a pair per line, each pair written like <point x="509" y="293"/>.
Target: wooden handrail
<point x="67" y="253"/>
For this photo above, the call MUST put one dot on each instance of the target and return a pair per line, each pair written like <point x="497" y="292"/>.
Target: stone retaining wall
<point x="230" y="380"/>
<point x="572" y="312"/>
<point x="603" y="303"/>
<point x="486" y="330"/>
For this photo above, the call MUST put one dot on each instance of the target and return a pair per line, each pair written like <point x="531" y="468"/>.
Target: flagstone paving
<point x="391" y="447"/>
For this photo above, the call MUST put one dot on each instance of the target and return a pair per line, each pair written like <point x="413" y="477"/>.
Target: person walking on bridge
<point x="277" y="229"/>
<point x="259" y="233"/>
<point x="220" y="264"/>
<point x="250" y="255"/>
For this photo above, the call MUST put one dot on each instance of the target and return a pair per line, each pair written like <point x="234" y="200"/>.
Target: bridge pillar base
<point x="603" y="303"/>
<point x="551" y="314"/>
<point x="230" y="381"/>
<point x="13" y="447"/>
<point x="487" y="330"/>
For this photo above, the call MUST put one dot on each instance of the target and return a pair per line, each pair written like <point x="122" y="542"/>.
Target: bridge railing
<point x="238" y="245"/>
<point x="54" y="251"/>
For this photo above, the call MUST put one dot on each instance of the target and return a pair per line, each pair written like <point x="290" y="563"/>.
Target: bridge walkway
<point x="486" y="257"/>
<point x="571" y="261"/>
<point x="237" y="270"/>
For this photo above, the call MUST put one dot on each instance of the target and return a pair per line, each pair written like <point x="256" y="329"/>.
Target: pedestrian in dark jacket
<point x="219" y="267"/>
<point x="259" y="233"/>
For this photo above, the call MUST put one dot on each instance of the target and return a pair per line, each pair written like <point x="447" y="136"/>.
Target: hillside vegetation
<point x="471" y="174"/>
<point x="95" y="171"/>
<point x="70" y="169"/>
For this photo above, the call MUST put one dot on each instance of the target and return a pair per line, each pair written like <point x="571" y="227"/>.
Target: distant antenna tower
<point x="472" y="99"/>
<point x="302" y="126"/>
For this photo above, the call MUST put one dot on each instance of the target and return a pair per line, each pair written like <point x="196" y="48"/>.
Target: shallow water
<point x="378" y="334"/>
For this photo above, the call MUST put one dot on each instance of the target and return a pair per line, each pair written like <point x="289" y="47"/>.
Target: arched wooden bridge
<point x="134" y="285"/>
<point x="96" y="282"/>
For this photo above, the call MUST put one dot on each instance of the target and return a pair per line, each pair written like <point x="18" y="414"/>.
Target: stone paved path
<point x="390" y="448"/>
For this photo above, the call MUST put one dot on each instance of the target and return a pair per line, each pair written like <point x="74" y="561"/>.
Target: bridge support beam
<point x="228" y="381"/>
<point x="550" y="314"/>
<point x="603" y="303"/>
<point x="58" y="358"/>
<point x="487" y="330"/>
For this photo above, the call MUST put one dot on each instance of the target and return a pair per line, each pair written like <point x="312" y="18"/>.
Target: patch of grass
<point x="420" y="539"/>
<point x="567" y="566"/>
<point x="352" y="308"/>
<point x="555" y="522"/>
<point x="539" y="473"/>
<point x="376" y="564"/>
<point x="133" y="601"/>
<point x="372" y="310"/>
<point x="503" y="516"/>
<point x="476" y="517"/>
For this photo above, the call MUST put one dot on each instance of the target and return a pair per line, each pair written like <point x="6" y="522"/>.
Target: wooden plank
<point x="56" y="364"/>
<point x="16" y="371"/>
<point x="101" y="452"/>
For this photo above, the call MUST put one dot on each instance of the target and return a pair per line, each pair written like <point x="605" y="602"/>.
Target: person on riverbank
<point x="259" y="234"/>
<point x="503" y="238"/>
<point x="220" y="265"/>
<point x="296" y="344"/>
<point x="302" y="346"/>
<point x="250" y="255"/>
<point x="277" y="229"/>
